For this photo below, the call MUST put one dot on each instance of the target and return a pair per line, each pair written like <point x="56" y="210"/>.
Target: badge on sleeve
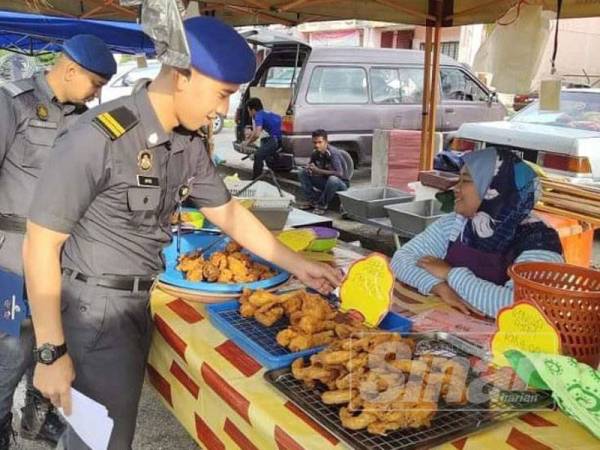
<point x="145" y="160"/>
<point x="42" y="112"/>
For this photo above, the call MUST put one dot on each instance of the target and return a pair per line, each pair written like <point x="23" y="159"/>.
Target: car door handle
<point x="450" y="110"/>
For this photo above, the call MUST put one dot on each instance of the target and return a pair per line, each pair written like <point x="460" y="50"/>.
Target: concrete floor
<point x="157" y="429"/>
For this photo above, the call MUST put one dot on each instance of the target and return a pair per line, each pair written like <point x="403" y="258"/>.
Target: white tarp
<point x="513" y="52"/>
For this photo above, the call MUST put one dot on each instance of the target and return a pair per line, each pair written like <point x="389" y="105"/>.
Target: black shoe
<point x="6" y="432"/>
<point x="39" y="420"/>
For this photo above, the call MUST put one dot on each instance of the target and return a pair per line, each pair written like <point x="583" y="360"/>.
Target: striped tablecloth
<point x="219" y="395"/>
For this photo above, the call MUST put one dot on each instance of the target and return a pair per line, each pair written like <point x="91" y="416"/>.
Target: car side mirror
<point x="492" y="98"/>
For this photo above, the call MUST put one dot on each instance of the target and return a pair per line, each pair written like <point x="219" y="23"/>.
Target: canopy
<point x="291" y="12"/>
<point x="33" y="33"/>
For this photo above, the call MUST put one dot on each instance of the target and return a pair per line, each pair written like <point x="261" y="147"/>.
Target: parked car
<point x="352" y="91"/>
<point x="564" y="142"/>
<point x="129" y="74"/>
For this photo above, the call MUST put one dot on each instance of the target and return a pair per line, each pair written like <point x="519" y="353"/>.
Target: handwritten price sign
<point x="523" y="327"/>
<point x="367" y="289"/>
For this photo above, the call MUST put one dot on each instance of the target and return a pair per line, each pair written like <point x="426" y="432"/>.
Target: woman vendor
<point x="464" y="256"/>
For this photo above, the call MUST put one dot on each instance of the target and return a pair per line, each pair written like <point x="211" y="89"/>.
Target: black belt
<point x="122" y="284"/>
<point x="12" y="223"/>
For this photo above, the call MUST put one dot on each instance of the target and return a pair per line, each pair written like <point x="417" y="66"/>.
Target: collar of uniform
<point x="44" y="87"/>
<point x="153" y="130"/>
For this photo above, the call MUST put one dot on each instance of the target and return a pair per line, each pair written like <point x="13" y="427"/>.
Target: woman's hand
<point x="450" y="297"/>
<point x="435" y="266"/>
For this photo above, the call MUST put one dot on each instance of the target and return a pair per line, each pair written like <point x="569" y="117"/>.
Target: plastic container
<point x="260" y="342"/>
<point x="577" y="241"/>
<point x="570" y="298"/>
<point x="368" y="203"/>
<point x="412" y="218"/>
<point x="191" y="242"/>
<point x="263" y="195"/>
<point x="326" y="239"/>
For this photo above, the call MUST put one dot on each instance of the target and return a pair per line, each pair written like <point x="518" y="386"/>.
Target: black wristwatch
<point x="48" y="353"/>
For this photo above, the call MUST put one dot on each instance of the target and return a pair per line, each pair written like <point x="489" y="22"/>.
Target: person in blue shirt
<point x="325" y="175"/>
<point x="269" y="122"/>
<point x="463" y="257"/>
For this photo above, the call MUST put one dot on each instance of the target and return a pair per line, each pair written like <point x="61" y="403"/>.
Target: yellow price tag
<point x="523" y="327"/>
<point x="367" y="289"/>
<point x="297" y="240"/>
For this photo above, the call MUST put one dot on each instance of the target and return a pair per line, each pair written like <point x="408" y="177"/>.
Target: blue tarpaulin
<point x="34" y="33"/>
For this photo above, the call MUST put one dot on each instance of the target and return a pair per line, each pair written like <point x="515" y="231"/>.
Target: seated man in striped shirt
<point x="464" y="256"/>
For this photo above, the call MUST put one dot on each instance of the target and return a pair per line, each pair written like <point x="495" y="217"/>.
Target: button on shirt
<point x="91" y="189"/>
<point x="30" y="123"/>
<point x="270" y="122"/>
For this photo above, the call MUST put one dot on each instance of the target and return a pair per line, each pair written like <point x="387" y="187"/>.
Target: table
<point x="219" y="395"/>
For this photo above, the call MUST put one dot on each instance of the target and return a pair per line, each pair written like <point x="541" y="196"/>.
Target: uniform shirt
<point x="270" y="122"/>
<point x="482" y="295"/>
<point x="31" y="120"/>
<point x="331" y="159"/>
<point x="97" y="190"/>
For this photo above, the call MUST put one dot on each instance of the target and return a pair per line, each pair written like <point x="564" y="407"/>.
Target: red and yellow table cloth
<point x="218" y="393"/>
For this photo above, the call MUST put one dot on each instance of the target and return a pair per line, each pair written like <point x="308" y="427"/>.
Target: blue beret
<point x="218" y="51"/>
<point x="92" y="54"/>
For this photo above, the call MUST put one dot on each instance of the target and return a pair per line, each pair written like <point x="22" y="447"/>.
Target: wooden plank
<point x="567" y="197"/>
<point x="570" y="214"/>
<point x="571" y="189"/>
<point x="426" y="93"/>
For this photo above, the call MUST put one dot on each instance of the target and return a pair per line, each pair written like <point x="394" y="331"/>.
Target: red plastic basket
<point x="570" y="298"/>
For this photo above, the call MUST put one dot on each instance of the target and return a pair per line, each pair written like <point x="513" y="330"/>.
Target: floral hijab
<point x="504" y="222"/>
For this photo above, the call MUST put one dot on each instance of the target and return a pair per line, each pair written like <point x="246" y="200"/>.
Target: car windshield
<point x="579" y="110"/>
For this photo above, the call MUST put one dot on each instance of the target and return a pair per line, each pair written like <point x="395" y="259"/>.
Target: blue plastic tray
<point x="190" y="242"/>
<point x="260" y="342"/>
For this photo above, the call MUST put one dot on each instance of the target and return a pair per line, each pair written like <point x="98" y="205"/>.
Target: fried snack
<point x="401" y="391"/>
<point x="268" y="316"/>
<point x="211" y="272"/>
<point x="229" y="266"/>
<point x="338" y="397"/>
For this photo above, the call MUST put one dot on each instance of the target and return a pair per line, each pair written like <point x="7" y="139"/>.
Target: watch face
<point x="46" y="355"/>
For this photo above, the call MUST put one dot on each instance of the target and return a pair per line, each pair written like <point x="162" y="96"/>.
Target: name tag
<point x="147" y="181"/>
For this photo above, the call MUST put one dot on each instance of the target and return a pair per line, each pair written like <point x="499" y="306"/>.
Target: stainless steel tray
<point x="414" y="217"/>
<point x="367" y="203"/>
<point x="449" y="423"/>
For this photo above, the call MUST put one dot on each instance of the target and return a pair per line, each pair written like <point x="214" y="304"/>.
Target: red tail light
<point x="462" y="145"/>
<point x="287" y="124"/>
<point x="565" y="163"/>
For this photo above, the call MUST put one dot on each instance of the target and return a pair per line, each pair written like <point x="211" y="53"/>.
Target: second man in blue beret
<point x="34" y="111"/>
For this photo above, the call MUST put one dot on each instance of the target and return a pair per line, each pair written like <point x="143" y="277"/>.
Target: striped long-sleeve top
<point x="484" y="296"/>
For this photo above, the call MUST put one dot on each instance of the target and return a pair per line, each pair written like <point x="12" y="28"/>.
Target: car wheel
<point x="218" y="124"/>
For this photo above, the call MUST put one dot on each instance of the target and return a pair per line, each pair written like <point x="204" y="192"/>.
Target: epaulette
<point x="116" y="122"/>
<point x="16" y="88"/>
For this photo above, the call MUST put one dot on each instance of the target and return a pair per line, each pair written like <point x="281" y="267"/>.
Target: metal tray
<point x="412" y="218"/>
<point x="449" y="423"/>
<point x="367" y="203"/>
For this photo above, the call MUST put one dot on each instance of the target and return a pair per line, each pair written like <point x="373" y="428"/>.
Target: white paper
<point x="90" y="421"/>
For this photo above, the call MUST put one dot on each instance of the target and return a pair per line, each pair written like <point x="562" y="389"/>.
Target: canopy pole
<point x="426" y="95"/>
<point x="434" y="88"/>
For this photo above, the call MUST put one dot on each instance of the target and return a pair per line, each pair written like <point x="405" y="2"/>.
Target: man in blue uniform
<point x="34" y="110"/>
<point x="94" y="238"/>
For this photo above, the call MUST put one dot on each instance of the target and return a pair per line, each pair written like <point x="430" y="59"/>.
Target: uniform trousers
<point x="108" y="335"/>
